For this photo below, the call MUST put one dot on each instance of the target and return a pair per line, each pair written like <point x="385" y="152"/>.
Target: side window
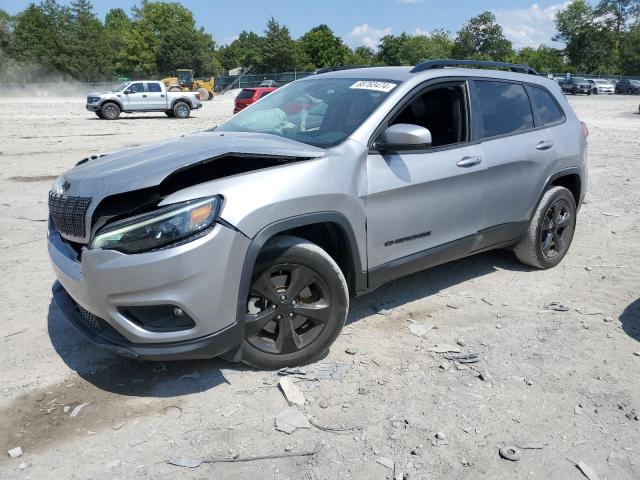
<point x="264" y="94"/>
<point x="154" y="87"/>
<point x="505" y="107"/>
<point x="546" y="106"/>
<point x="136" y="87"/>
<point x="441" y="109"/>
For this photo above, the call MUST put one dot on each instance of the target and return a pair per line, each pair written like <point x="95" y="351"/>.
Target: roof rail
<point x="339" y="67"/>
<point x="431" y="64"/>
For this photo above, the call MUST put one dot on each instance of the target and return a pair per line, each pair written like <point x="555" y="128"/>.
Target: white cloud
<point x="367" y="35"/>
<point x="529" y="27"/>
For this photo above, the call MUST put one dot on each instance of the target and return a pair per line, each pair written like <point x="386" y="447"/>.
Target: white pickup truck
<point x="142" y="96"/>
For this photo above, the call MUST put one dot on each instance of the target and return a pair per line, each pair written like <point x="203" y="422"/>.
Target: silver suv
<point x="248" y="239"/>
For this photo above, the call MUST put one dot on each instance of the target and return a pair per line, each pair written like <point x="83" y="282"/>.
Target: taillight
<point x="585" y="129"/>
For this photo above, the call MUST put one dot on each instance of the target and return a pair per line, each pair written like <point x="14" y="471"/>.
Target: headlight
<point x="160" y="228"/>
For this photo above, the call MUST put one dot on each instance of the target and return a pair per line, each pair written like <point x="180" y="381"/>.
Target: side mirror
<point x="127" y="91"/>
<point x="404" y="136"/>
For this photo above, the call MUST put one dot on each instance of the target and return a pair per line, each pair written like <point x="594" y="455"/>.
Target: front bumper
<point x="201" y="277"/>
<point x="93" y="107"/>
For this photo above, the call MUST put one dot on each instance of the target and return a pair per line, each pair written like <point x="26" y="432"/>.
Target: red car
<point x="251" y="95"/>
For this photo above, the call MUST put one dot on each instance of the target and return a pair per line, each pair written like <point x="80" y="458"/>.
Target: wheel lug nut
<point x="279" y="317"/>
<point x="274" y="307"/>
<point x="291" y="315"/>
<point x="283" y="297"/>
<point x="293" y="302"/>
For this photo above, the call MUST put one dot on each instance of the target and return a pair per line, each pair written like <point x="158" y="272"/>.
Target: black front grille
<point x="101" y="327"/>
<point x="68" y="213"/>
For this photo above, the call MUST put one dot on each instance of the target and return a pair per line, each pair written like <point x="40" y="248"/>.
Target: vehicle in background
<point x="576" y="85"/>
<point x="184" y="82"/>
<point x="269" y="83"/>
<point x="627" y="86"/>
<point x="249" y="238"/>
<point x="250" y="95"/>
<point x="142" y="96"/>
<point x="601" y="85"/>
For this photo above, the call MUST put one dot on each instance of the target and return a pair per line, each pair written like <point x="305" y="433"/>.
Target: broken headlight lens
<point x="160" y="228"/>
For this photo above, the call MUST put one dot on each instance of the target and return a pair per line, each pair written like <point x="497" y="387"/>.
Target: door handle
<point x="144" y="96"/>
<point x="544" y="145"/>
<point x="467" y="162"/>
<point x="162" y="96"/>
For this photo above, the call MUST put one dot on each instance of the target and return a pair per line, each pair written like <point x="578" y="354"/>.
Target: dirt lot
<point x="563" y="381"/>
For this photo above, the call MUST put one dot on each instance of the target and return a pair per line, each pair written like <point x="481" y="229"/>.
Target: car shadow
<point x="124" y="376"/>
<point x="431" y="281"/>
<point x="630" y="320"/>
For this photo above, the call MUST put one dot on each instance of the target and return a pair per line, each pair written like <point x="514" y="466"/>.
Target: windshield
<point x="603" y="82"/>
<point x="321" y="112"/>
<point x="120" y="87"/>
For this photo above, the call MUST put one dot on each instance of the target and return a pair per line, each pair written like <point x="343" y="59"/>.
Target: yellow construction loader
<point x="184" y="82"/>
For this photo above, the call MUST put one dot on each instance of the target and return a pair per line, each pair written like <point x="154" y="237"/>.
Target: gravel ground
<point x="563" y="381"/>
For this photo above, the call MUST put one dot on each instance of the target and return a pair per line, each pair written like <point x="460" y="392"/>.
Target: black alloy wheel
<point x="557" y="229"/>
<point x="289" y="306"/>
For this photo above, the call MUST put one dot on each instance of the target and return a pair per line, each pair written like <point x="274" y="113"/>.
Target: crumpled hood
<point x="149" y="165"/>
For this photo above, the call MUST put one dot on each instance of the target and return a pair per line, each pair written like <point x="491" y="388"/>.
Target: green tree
<point x="246" y="50"/>
<point x="361" y="56"/>
<point x="91" y="56"/>
<point x="417" y="48"/>
<point x="280" y="51"/>
<point x="323" y="48"/>
<point x="543" y="59"/>
<point x="630" y="52"/>
<point x="482" y="38"/>
<point x="589" y="42"/>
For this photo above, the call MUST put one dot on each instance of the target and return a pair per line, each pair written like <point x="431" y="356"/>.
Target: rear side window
<point x="264" y="94"/>
<point x="546" y="106"/>
<point x="154" y="87"/>
<point x="245" y="94"/>
<point x="505" y="107"/>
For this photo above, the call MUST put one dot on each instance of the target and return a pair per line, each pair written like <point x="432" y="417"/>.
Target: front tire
<point x="110" y="111"/>
<point x="169" y="113"/>
<point x="297" y="305"/>
<point x="181" y="110"/>
<point x="551" y="230"/>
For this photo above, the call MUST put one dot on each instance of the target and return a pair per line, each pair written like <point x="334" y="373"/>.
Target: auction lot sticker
<point x="385" y="87"/>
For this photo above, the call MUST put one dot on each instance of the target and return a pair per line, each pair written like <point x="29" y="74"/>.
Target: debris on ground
<point x="386" y="462"/>
<point x="463" y="358"/>
<point x="556" y="307"/>
<point x="351" y="351"/>
<point x="510" y="453"/>
<point x="317" y="371"/>
<point x="196" y="462"/>
<point x="485" y="376"/>
<point x="291" y="393"/>
<point x="15" y="452"/>
<point x="577" y="409"/>
<point x="444" y="348"/>
<point x="530" y="445"/>
<point x="186" y="462"/>
<point x="74" y="413"/>
<point x="587" y="471"/>
<point x="291" y="419"/>
<point x="418" y="329"/>
<point x="384" y="311"/>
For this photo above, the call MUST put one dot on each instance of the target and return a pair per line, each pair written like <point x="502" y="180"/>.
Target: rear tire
<point x="551" y="230"/>
<point x="110" y="111"/>
<point x="98" y="114"/>
<point x="181" y="110"/>
<point x="297" y="305"/>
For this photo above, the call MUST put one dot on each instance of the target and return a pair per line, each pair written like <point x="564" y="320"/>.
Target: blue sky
<point x="361" y="22"/>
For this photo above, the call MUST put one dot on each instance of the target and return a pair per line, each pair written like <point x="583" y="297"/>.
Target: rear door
<point x="516" y="151"/>
<point x="419" y="200"/>
<point x="156" y="97"/>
